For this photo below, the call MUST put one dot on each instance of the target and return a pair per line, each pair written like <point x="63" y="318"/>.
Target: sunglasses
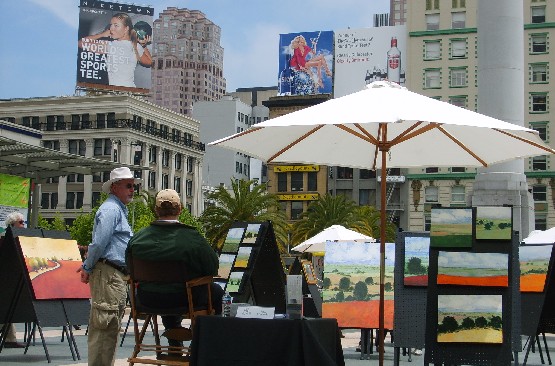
<point x="22" y="222"/>
<point x="128" y="185"/>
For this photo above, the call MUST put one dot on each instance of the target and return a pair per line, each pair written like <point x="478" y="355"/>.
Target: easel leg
<point x="530" y="342"/>
<point x="43" y="341"/>
<point x="546" y="349"/>
<point x="73" y="341"/>
<point x="65" y="332"/>
<point x="537" y="339"/>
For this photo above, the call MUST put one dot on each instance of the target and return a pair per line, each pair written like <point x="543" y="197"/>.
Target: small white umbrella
<point x="335" y="233"/>
<point x="541" y="237"/>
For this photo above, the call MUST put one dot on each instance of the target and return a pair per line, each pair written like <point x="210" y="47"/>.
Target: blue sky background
<point x="39" y="43"/>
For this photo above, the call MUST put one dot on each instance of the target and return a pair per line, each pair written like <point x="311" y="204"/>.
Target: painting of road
<point x="233" y="239"/>
<point x="472" y="269"/>
<point x="351" y="284"/>
<point x="494" y="223"/>
<point x="470" y="319"/>
<point x="417" y="260"/>
<point x="534" y="264"/>
<point x="451" y="228"/>
<point x="52" y="265"/>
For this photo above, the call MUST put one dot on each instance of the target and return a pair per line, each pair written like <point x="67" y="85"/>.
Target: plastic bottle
<point x="226" y="304"/>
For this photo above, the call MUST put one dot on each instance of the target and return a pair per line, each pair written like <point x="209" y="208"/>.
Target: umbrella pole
<point x="382" y="253"/>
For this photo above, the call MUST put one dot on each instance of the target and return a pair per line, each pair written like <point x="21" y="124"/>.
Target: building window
<point x="431" y="170"/>
<point x="432" y="50"/>
<point x="74" y="200"/>
<point x="432" y="4"/>
<point x="432" y="79"/>
<point x="432" y="21"/>
<point x="538" y="102"/>
<point x="458" y="195"/>
<point x="457" y="77"/>
<point x="152" y="154"/>
<point x="177" y="184"/>
<point x="541" y="127"/>
<point x="190" y="161"/>
<point x="538" y="43"/>
<point x="165" y="181"/>
<point x="366" y="174"/>
<point x="297" y="181"/>
<point x="363" y="197"/>
<point x="177" y="163"/>
<point x="458" y="4"/>
<point x="538" y="73"/>
<point x="538" y="14"/>
<point x="344" y="173"/>
<point x="539" y="162"/>
<point x="165" y="158"/>
<point x="312" y="181"/>
<point x="458" y="169"/>
<point x="427" y="222"/>
<point x="102" y="147"/>
<point x="49" y="200"/>
<point x="77" y="147"/>
<point x="458" y="48"/>
<point x="282" y="182"/>
<point x="458" y="100"/>
<point x="54" y="145"/>
<point x="151" y="180"/>
<point x="189" y="188"/>
<point x="541" y="221"/>
<point x="296" y="209"/>
<point x="539" y="193"/>
<point x="431" y="194"/>
<point x="458" y="20"/>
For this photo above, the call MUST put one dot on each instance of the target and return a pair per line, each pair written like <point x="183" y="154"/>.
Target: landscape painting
<point x="233" y="239"/>
<point x="226" y="262"/>
<point x="251" y="234"/>
<point x="52" y="265"/>
<point x="234" y="282"/>
<point x="351" y="284"/>
<point x="494" y="223"/>
<point x="534" y="264"/>
<point x="473" y="269"/>
<point x="243" y="256"/>
<point x="417" y="261"/>
<point x="470" y="319"/>
<point x="451" y="228"/>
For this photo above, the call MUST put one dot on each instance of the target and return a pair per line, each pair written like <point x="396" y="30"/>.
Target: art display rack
<point x="263" y="281"/>
<point x="312" y="298"/>
<point x="477" y="353"/>
<point x="19" y="305"/>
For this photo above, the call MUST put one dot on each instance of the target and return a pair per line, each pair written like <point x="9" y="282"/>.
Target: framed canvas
<point x="534" y="265"/>
<point x="308" y="272"/>
<point x="451" y="227"/>
<point x="243" y="257"/>
<point x="351" y="284"/>
<point x="233" y="239"/>
<point x="52" y="265"/>
<point x="226" y="262"/>
<point x="417" y="261"/>
<point x="473" y="269"/>
<point x="235" y="282"/>
<point x="251" y="233"/>
<point x="494" y="223"/>
<point x="470" y="319"/>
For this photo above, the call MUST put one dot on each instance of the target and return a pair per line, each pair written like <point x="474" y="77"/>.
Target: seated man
<point x="168" y="239"/>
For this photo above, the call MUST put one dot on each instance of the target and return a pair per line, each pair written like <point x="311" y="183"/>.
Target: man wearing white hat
<point x="104" y="269"/>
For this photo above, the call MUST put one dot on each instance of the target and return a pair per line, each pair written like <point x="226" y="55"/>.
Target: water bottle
<point x="226" y="304"/>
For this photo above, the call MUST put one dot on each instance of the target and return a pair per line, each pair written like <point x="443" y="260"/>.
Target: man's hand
<point x="84" y="275"/>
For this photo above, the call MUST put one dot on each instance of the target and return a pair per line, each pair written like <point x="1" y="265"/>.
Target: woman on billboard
<point x="124" y="50"/>
<point x="305" y="57"/>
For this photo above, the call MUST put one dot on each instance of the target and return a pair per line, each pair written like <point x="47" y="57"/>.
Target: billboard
<point x="114" y="46"/>
<point x="305" y="63"/>
<point x="368" y="54"/>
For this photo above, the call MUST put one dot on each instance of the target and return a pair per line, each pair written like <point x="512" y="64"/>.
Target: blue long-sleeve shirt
<point x="111" y="233"/>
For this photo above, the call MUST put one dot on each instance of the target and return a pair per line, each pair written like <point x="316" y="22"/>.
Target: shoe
<point x="76" y="327"/>
<point x="13" y="345"/>
<point x="417" y="352"/>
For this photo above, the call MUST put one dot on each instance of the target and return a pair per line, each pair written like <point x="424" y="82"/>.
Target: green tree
<point x="327" y="282"/>
<point x="247" y="201"/>
<point x="387" y="286"/>
<point x="369" y="281"/>
<point x="368" y="223"/>
<point x="449" y="324"/>
<point x="340" y="296"/>
<point x="467" y="323"/>
<point x="496" y="322"/>
<point x="361" y="291"/>
<point x="481" y="322"/>
<point x="414" y="266"/>
<point x="344" y="283"/>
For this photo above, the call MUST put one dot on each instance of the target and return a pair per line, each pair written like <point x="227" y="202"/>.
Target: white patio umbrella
<point x="335" y="233"/>
<point x="541" y="237"/>
<point x="386" y="122"/>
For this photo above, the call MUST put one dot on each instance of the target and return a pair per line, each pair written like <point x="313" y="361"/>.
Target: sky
<point x="38" y="50"/>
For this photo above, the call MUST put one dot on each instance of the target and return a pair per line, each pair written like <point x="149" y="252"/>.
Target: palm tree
<point x="248" y="202"/>
<point x="368" y="223"/>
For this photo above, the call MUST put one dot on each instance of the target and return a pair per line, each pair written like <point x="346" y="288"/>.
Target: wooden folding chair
<point x="142" y="271"/>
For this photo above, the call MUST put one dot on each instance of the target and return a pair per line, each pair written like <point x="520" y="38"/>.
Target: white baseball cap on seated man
<point x="116" y="175"/>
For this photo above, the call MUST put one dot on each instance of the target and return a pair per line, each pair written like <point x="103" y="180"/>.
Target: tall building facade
<point x="119" y="128"/>
<point x="442" y="54"/>
<point x="187" y="60"/>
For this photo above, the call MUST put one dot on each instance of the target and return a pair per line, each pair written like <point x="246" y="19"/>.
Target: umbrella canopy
<point x="541" y="237"/>
<point x="336" y="233"/>
<point x="386" y="126"/>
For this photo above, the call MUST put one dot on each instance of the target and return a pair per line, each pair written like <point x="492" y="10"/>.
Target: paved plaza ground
<point x="60" y="353"/>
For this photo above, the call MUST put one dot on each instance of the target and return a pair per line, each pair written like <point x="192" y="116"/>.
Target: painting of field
<point x="243" y="256"/>
<point x="451" y="228"/>
<point x="534" y="264"/>
<point x="472" y="269"/>
<point x="494" y="223"/>
<point x="251" y="234"/>
<point x="417" y="261"/>
<point x="226" y="262"/>
<point x="233" y="239"/>
<point x="234" y="283"/>
<point x="351" y="285"/>
<point x="470" y="319"/>
<point x="52" y="265"/>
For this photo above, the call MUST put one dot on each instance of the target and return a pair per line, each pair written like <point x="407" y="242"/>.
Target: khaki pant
<point x="108" y="296"/>
<point x="10" y="333"/>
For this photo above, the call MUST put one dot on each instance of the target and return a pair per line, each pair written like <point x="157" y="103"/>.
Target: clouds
<point x="452" y="216"/>
<point x="469" y="303"/>
<point x="472" y="260"/>
<point x="358" y="253"/>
